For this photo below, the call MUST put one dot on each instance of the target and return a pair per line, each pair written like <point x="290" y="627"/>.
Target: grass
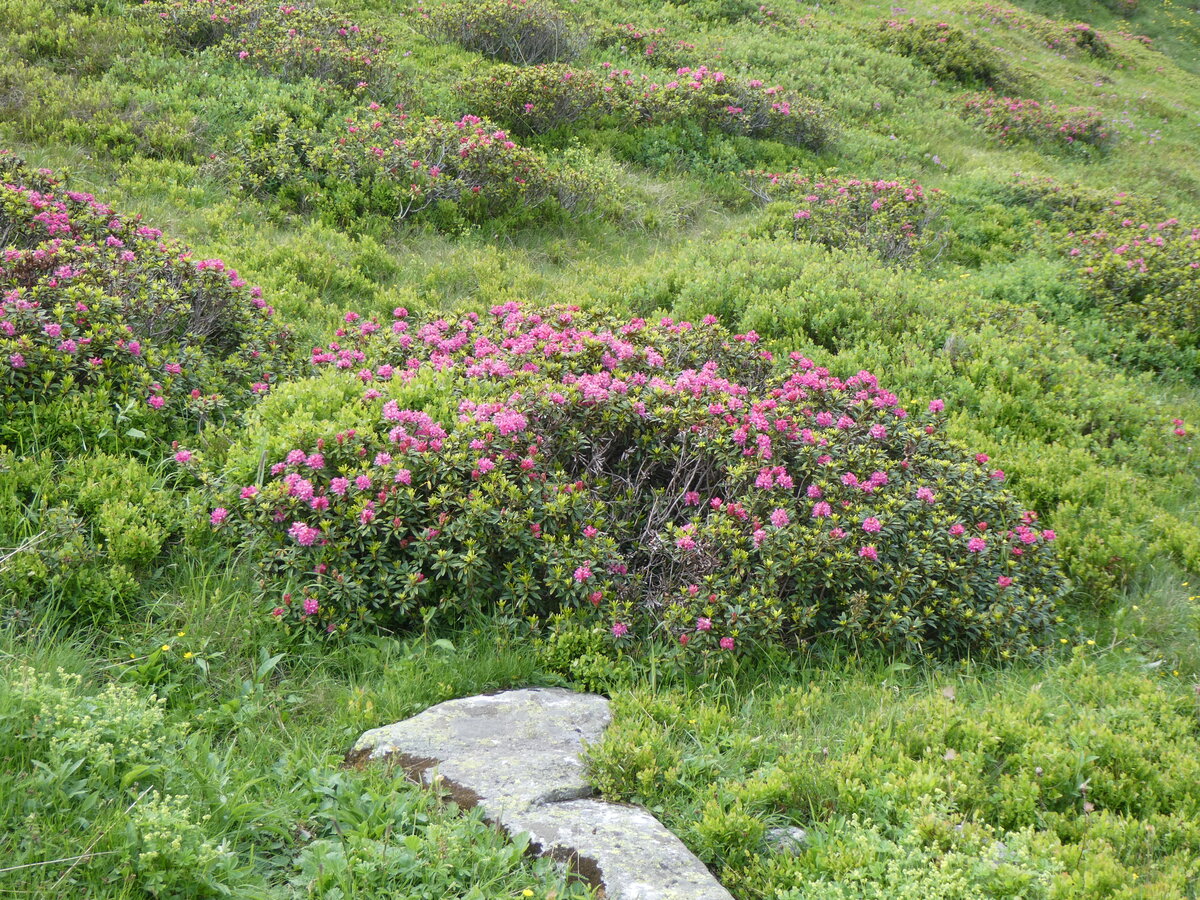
<point x="910" y="778"/>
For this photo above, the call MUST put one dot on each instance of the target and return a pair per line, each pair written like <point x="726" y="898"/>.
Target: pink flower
<point x="404" y="476"/>
<point x="878" y="432"/>
<point x="937" y="405"/>
<point x="924" y="493"/>
<point x="311" y="606"/>
<point x="303" y="534"/>
<point x="976" y="545"/>
<point x="620" y="629"/>
<point x="219" y="515"/>
<point x="339" y="486"/>
<point x="684" y="638"/>
<point x="981" y="458"/>
<point x="183" y="456"/>
<point x="821" y="510"/>
<point x="1004" y="581"/>
<point x="363" y="483"/>
<point x="871" y="525"/>
<point x="583" y="573"/>
<point x="726" y="643"/>
<point x="277" y="611"/>
<point x="1048" y="535"/>
<point x="869" y="552"/>
<point x="686" y="543"/>
<point x="703" y="624"/>
<point x="249" y="491"/>
<point x="957" y="528"/>
<point x="779" y="518"/>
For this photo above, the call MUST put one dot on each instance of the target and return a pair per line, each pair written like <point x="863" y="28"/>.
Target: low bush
<point x="1079" y="37"/>
<point x="388" y="164"/>
<point x="740" y="106"/>
<point x="546" y="97"/>
<point x="951" y="53"/>
<point x="1073" y="781"/>
<point x="595" y="464"/>
<point x="1144" y="277"/>
<point x="78" y="538"/>
<point x="290" y="41"/>
<point x="652" y="46"/>
<point x="1038" y="122"/>
<point x="523" y="32"/>
<point x="890" y="218"/>
<point x="537" y="99"/>
<point x="93" y="302"/>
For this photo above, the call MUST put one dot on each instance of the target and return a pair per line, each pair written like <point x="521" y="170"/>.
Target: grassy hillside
<point x="994" y="209"/>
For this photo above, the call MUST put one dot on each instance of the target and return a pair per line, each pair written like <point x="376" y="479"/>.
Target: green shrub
<point x="951" y="53"/>
<point x="851" y="517"/>
<point x="890" y="218"/>
<point x="78" y="537"/>
<point x="523" y="32"/>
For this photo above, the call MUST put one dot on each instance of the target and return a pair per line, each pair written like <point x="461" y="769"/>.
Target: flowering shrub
<point x="889" y="217"/>
<point x="1080" y="36"/>
<point x="1144" y="277"/>
<point x="1044" y="123"/>
<point x="289" y="40"/>
<point x="525" y="32"/>
<point x="740" y="106"/>
<point x="950" y="52"/>
<point x="95" y="303"/>
<point x="387" y="164"/>
<point x="653" y="45"/>
<point x="536" y="100"/>
<point x="665" y="475"/>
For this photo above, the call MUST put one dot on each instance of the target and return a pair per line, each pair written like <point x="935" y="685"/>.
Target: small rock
<point x="791" y="841"/>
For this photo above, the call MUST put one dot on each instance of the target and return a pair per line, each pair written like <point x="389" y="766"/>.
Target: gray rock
<point x="621" y="847"/>
<point x="517" y="755"/>
<point x="509" y="749"/>
<point x="791" y="840"/>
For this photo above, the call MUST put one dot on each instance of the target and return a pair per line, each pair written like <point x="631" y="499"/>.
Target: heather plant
<point x="1079" y="37"/>
<point x="522" y="32"/>
<point x="890" y="218"/>
<point x="97" y="303"/>
<point x="948" y="51"/>
<point x="1042" y="123"/>
<point x="663" y="475"/>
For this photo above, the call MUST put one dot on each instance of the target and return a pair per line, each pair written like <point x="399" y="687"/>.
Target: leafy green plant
<point x="524" y="32"/>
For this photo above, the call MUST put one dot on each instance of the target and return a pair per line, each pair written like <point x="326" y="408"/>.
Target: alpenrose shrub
<point x="669" y="478"/>
<point x="535" y="100"/>
<point x="94" y="303"/>
<point x="388" y="164"/>
<point x="526" y="32"/>
<point x="1039" y="122"/>
<point x="1079" y="37"/>
<point x="892" y="218"/>
<point x="948" y="51"/>
<point x="653" y="45"/>
<point x="288" y="40"/>
<point x="1144" y="276"/>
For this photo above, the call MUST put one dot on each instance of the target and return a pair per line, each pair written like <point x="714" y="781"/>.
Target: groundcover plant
<point x="818" y="382"/>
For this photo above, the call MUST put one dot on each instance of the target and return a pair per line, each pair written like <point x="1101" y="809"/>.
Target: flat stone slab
<point x="509" y="749"/>
<point x="518" y="756"/>
<point x="624" y="848"/>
